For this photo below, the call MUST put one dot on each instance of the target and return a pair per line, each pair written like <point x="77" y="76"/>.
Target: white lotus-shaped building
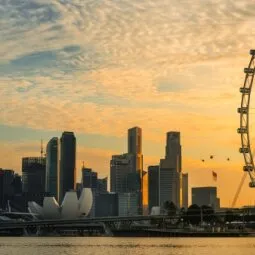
<point x="71" y="207"/>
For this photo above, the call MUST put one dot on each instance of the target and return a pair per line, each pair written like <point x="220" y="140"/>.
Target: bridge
<point x="91" y="225"/>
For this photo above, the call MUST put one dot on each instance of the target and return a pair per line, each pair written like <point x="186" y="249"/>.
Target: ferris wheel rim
<point x="243" y="110"/>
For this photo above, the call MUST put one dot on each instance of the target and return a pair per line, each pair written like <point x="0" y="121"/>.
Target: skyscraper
<point x="120" y="170"/>
<point x="185" y="190"/>
<point x="128" y="204"/>
<point x="173" y="150"/>
<point x="33" y="174"/>
<point x="102" y="185"/>
<point x="170" y="171"/>
<point x="89" y="178"/>
<point x="205" y="196"/>
<point x="67" y="175"/>
<point x="135" y="146"/>
<point x="153" y="186"/>
<point x="135" y="149"/>
<point x="52" y="167"/>
<point x="6" y="187"/>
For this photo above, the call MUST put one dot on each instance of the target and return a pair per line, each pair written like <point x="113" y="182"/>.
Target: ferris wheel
<point x="243" y="130"/>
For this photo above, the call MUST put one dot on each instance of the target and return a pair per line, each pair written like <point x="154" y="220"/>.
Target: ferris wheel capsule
<point x="243" y="110"/>
<point x="245" y="90"/>
<point x="249" y="70"/>
<point x="242" y="130"/>
<point x="252" y="184"/>
<point x="252" y="52"/>
<point x="244" y="150"/>
<point x="247" y="168"/>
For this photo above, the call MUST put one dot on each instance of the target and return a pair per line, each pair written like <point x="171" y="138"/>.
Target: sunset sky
<point x="99" y="67"/>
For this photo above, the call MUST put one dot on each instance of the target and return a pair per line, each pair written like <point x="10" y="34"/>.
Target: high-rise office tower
<point x="107" y="205"/>
<point x="128" y="204"/>
<point x="153" y="186"/>
<point x="135" y="146"/>
<point x="6" y="187"/>
<point x="98" y="186"/>
<point x="89" y="178"/>
<point x="170" y="171"/>
<point x="135" y="149"/>
<point x="173" y="150"/>
<point x="17" y="184"/>
<point x="205" y="196"/>
<point x="33" y="174"/>
<point x="121" y="174"/>
<point x="185" y="190"/>
<point x="102" y="185"/>
<point x="52" y="167"/>
<point x="67" y="174"/>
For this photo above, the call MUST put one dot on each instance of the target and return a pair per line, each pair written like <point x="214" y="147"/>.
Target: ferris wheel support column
<point x="243" y="110"/>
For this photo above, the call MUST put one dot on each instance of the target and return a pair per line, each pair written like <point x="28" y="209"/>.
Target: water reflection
<point x="132" y="246"/>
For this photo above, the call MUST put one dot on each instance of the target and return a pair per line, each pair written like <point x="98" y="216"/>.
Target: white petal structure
<point x="51" y="208"/>
<point x="155" y="210"/>
<point x="85" y="202"/>
<point x="35" y="209"/>
<point x="71" y="208"/>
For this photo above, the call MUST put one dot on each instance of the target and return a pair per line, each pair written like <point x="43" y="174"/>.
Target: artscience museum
<point x="71" y="207"/>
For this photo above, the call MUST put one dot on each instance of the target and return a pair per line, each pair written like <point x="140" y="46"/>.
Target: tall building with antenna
<point x="33" y="173"/>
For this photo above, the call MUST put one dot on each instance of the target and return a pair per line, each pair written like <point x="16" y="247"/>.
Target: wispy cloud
<point x="99" y="67"/>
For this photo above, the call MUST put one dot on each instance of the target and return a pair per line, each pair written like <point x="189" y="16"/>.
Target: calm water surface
<point x="126" y="246"/>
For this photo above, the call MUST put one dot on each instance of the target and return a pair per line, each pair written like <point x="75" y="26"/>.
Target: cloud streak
<point x="102" y="66"/>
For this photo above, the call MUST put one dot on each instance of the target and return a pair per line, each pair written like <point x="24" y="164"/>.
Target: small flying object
<point x="228" y="159"/>
<point x="202" y="160"/>
<point x="211" y="156"/>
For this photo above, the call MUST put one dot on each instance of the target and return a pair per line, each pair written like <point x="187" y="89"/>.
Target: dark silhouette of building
<point x="33" y="174"/>
<point x="52" y="167"/>
<point x="174" y="150"/>
<point x="67" y="175"/>
<point x="107" y="205"/>
<point x="6" y="188"/>
<point x="89" y="178"/>
<point x="122" y="168"/>
<point x="153" y="186"/>
<point x="205" y="196"/>
<point x="102" y="185"/>
<point x="17" y="184"/>
<point x="185" y="190"/>
<point x="19" y="202"/>
<point x="98" y="187"/>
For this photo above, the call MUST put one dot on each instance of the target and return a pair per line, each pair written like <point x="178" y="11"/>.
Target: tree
<point x="229" y="217"/>
<point x="208" y="213"/>
<point x="170" y="208"/>
<point x="193" y="214"/>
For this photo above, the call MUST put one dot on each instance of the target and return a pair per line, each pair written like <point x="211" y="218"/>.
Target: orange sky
<point x="100" y="67"/>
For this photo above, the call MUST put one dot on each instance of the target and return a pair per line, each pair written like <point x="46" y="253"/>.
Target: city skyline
<point x="98" y="69"/>
<point x="173" y="149"/>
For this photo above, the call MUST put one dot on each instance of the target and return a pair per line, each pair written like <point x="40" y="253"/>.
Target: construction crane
<point x="239" y="189"/>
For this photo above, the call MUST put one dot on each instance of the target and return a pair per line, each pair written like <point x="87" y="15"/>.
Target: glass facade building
<point x="153" y="186"/>
<point x="33" y="174"/>
<point x="67" y="174"/>
<point x="52" y="167"/>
